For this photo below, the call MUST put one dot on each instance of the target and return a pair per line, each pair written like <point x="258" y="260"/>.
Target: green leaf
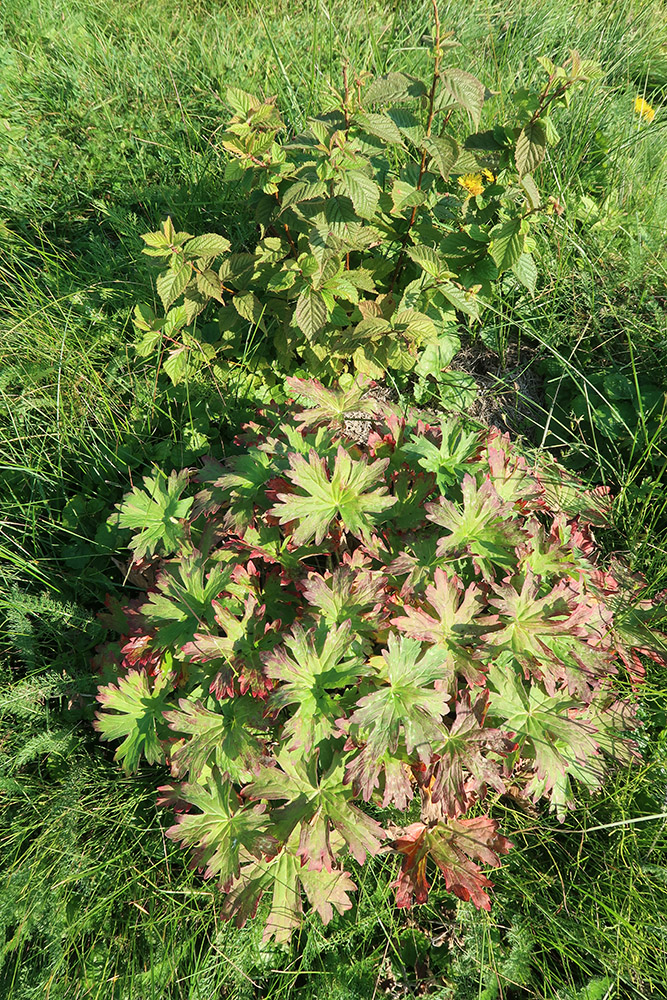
<point x="208" y="284"/>
<point x="525" y="269"/>
<point x="429" y="260"/>
<point x="381" y="126"/>
<point x="530" y="147"/>
<point x="284" y="877"/>
<point x="408" y="123"/>
<point x="462" y="300"/>
<point x="531" y="191"/>
<point x="406" y="703"/>
<point x="222" y="831"/>
<point x="182" y="605"/>
<point x="450" y="459"/>
<point x="347" y="496"/>
<point x="466" y="90"/>
<point x="392" y="88"/>
<point x="222" y="738"/>
<point x="249" y="307"/>
<point x="362" y="191"/>
<point x="209" y="245"/>
<point x="309" y="667"/>
<point x="133" y="710"/>
<point x="172" y="282"/>
<point x="155" y="512"/>
<point x="311" y="312"/>
<point x="506" y="244"/>
<point x="317" y="804"/>
<point x="404" y="196"/>
<point x="486" y="527"/>
<point x="443" y="151"/>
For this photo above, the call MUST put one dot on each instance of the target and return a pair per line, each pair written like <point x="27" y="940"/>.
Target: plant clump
<point x="384" y="226"/>
<point x="342" y="648"/>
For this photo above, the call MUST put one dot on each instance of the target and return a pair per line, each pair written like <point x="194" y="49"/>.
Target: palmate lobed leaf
<point x="452" y="846"/>
<point x="311" y="667"/>
<point x="285" y="877"/>
<point x="316" y="805"/>
<point x="155" y="514"/>
<point x="133" y="710"/>
<point x="347" y="495"/>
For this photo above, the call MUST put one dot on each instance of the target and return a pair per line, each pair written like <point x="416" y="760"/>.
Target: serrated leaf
<point x="466" y="90"/>
<point x="404" y="196"/>
<point x="362" y="191"/>
<point x="506" y="244"/>
<point x="172" y="283"/>
<point x="486" y="527"/>
<point x="381" y="126"/>
<point x="311" y="312"/>
<point x="316" y="804"/>
<point x="530" y="147"/>
<point x="531" y="191"/>
<point x="408" y="123"/>
<point x="222" y="830"/>
<point x="309" y="668"/>
<point x="347" y="495"/>
<point x="331" y="405"/>
<point x="284" y="877"/>
<point x="209" y="245"/>
<point x="222" y="738"/>
<point x="208" y="284"/>
<point x="392" y="88"/>
<point x="155" y="513"/>
<point x="452" y="846"/>
<point x="429" y="260"/>
<point x="406" y="703"/>
<point x="462" y="300"/>
<point x="249" y="307"/>
<point x="302" y="190"/>
<point x="449" y="460"/>
<point x="133" y="710"/>
<point x="443" y="151"/>
<point x="182" y="603"/>
<point x="525" y="269"/>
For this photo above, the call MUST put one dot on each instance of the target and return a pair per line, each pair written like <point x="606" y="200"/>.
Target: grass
<point x="108" y="117"/>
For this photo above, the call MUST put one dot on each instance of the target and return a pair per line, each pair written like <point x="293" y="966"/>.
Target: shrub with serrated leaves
<point x="382" y="227"/>
<point x="347" y="648"/>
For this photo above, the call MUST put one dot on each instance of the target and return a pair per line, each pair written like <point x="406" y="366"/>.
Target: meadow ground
<point x="108" y="120"/>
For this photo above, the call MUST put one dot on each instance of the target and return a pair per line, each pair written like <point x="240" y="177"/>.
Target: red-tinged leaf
<point x="406" y="704"/>
<point x="346" y="595"/>
<point x="331" y="406"/>
<point x="223" y="738"/>
<point x="486" y="527"/>
<point x="316" y="805"/>
<point x="284" y="877"/>
<point x="246" y="640"/>
<point x="308" y="669"/>
<point x="221" y="829"/>
<point x="449" y="621"/>
<point x="465" y="752"/>
<point x="368" y="771"/>
<point x="347" y="495"/>
<point x="236" y="489"/>
<point x="133" y="711"/>
<point x="452" y="846"/>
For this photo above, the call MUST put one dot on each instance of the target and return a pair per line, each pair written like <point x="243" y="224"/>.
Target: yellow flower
<point x="489" y="176"/>
<point x="644" y="109"/>
<point x="472" y="183"/>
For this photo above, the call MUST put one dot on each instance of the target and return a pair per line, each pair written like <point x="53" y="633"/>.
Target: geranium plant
<point x="382" y="227"/>
<point x="353" y="636"/>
